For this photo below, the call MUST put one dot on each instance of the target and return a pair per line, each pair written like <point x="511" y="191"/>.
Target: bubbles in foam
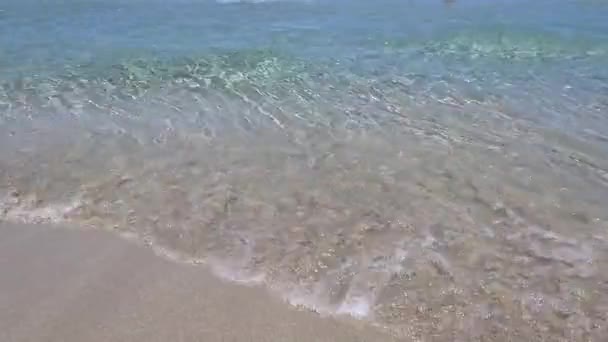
<point x="358" y="307"/>
<point x="27" y="210"/>
<point x="234" y="274"/>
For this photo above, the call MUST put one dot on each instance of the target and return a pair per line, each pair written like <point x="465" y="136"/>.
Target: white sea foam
<point x="26" y="211"/>
<point x="357" y="306"/>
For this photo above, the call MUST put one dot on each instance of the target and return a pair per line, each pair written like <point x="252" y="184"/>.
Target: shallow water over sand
<point x="434" y="177"/>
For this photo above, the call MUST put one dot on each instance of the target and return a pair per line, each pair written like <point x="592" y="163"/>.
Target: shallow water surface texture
<point x="435" y="168"/>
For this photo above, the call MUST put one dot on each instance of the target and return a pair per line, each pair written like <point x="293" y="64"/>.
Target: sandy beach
<point x="72" y="285"/>
<point x="304" y="170"/>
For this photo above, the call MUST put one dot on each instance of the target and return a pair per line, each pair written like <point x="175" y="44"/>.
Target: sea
<point x="436" y="169"/>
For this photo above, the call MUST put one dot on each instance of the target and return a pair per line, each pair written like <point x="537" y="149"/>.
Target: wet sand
<point x="61" y="284"/>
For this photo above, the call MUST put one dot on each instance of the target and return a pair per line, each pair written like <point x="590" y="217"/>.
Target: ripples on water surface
<point x="440" y="170"/>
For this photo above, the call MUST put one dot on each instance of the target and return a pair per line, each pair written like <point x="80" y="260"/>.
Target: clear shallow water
<point x="436" y="169"/>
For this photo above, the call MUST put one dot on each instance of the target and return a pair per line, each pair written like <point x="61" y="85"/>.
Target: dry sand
<point x="72" y="285"/>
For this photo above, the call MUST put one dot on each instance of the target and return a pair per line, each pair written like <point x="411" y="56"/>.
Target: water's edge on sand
<point x="63" y="284"/>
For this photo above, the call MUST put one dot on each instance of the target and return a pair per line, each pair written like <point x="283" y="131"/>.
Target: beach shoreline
<point x="63" y="284"/>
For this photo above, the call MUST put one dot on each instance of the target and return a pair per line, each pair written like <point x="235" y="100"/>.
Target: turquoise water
<point x="511" y="51"/>
<point x="438" y="169"/>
